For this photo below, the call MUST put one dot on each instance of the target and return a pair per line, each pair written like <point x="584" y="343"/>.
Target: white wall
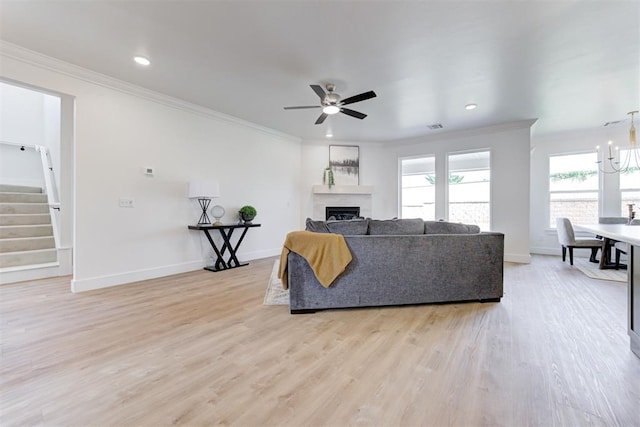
<point x="509" y="145"/>
<point x="51" y="132"/>
<point x="29" y="117"/>
<point x="25" y="118"/>
<point x="544" y="239"/>
<point x="32" y="118"/>
<point x="120" y="129"/>
<point x="20" y="167"/>
<point x="315" y="158"/>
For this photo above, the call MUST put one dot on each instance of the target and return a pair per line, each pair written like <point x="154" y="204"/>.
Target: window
<point x="630" y="183"/>
<point x="573" y="188"/>
<point x="470" y="188"/>
<point x="418" y="188"/>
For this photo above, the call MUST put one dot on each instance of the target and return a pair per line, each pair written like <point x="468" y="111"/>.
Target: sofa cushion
<point x="444" y="227"/>
<point x="316" y="226"/>
<point x="408" y="226"/>
<point x="355" y="227"/>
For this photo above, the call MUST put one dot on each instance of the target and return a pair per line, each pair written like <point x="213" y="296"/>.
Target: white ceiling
<point x="571" y="64"/>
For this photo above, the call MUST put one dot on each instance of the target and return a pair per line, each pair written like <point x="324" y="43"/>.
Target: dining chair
<point x="621" y="248"/>
<point x="567" y="239"/>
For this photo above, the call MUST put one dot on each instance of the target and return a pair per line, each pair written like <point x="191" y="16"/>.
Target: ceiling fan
<point x="331" y="103"/>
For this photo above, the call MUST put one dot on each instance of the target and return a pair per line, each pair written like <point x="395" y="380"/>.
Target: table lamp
<point x="204" y="191"/>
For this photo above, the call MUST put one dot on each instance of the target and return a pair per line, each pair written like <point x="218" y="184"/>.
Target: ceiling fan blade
<point x="352" y="113"/>
<point x="321" y="119"/>
<point x="319" y="91"/>
<point x="357" y="98"/>
<point x="301" y="107"/>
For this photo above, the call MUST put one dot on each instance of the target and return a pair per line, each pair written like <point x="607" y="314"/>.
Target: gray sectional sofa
<point x="404" y="261"/>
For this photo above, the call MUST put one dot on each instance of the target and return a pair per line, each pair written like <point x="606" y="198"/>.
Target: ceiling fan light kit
<point x="331" y="109"/>
<point x="332" y="103"/>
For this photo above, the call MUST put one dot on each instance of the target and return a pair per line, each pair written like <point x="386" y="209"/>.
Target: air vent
<point x="612" y="123"/>
<point x="435" y="127"/>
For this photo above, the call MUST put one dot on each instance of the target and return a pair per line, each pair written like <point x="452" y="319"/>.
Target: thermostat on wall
<point x="148" y="171"/>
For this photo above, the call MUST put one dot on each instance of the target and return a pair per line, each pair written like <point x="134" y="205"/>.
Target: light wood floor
<point x="201" y="349"/>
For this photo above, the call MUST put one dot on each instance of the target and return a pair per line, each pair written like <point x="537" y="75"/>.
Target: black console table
<point x="226" y="231"/>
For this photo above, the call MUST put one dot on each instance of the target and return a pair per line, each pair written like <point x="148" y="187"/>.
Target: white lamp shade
<point x="203" y="189"/>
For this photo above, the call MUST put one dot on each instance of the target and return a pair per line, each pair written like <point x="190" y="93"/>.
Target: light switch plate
<point x="126" y="202"/>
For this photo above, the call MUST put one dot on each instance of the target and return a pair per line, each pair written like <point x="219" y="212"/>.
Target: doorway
<point x="37" y="150"/>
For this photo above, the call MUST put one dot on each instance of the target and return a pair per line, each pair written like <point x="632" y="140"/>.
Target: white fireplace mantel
<point x="342" y="189"/>
<point x="342" y="195"/>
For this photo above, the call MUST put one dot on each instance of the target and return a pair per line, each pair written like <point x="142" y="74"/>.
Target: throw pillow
<point x="354" y="227"/>
<point x="444" y="227"/>
<point x="316" y="226"/>
<point x="409" y="226"/>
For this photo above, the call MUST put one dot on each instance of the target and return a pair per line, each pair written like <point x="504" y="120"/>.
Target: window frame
<point x="447" y="155"/>
<point x="400" y="176"/>
<point x="551" y="225"/>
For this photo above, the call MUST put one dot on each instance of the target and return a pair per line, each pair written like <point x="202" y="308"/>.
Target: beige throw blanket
<point x="327" y="254"/>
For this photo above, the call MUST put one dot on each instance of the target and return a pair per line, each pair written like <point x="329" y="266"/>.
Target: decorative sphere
<point x="217" y="211"/>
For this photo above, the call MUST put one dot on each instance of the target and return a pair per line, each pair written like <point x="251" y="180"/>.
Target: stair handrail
<point x="50" y="185"/>
<point x="51" y="190"/>
<point x="18" y="144"/>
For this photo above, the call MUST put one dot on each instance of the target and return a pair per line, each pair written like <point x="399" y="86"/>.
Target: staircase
<point x="26" y="233"/>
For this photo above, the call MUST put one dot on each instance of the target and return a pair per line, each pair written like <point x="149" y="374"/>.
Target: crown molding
<point x="37" y="59"/>
<point x="465" y="133"/>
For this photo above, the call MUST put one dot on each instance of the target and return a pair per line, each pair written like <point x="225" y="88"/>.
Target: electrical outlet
<point x="125" y="202"/>
<point x="148" y="171"/>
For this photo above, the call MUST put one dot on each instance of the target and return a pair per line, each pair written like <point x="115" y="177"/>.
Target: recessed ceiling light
<point x="329" y="134"/>
<point x="141" y="60"/>
<point x="471" y="106"/>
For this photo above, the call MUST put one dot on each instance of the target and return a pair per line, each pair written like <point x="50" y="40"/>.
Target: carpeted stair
<point x="26" y="234"/>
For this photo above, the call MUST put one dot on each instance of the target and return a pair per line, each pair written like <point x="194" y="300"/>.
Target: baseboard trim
<point x="267" y="253"/>
<point x="25" y="273"/>
<point x="518" y="258"/>
<point x="65" y="259"/>
<point x="93" y="283"/>
<point x="546" y="251"/>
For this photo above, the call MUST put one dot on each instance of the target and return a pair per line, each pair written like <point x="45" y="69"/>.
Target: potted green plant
<point x="328" y="176"/>
<point x="247" y="213"/>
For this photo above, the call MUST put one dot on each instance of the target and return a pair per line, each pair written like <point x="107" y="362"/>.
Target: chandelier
<point x="631" y="161"/>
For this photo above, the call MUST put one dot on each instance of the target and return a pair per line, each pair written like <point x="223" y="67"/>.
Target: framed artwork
<point x="344" y="161"/>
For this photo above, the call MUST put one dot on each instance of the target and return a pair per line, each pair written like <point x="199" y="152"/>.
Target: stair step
<point x="24" y="208"/>
<point x="7" y="188"/>
<point x="23" y="198"/>
<point x="25" y="219"/>
<point x="26" y="244"/>
<point x="13" y="231"/>
<point x="14" y="259"/>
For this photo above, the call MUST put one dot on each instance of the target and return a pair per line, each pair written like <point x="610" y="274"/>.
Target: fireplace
<point x="342" y="213"/>
<point x="341" y="195"/>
